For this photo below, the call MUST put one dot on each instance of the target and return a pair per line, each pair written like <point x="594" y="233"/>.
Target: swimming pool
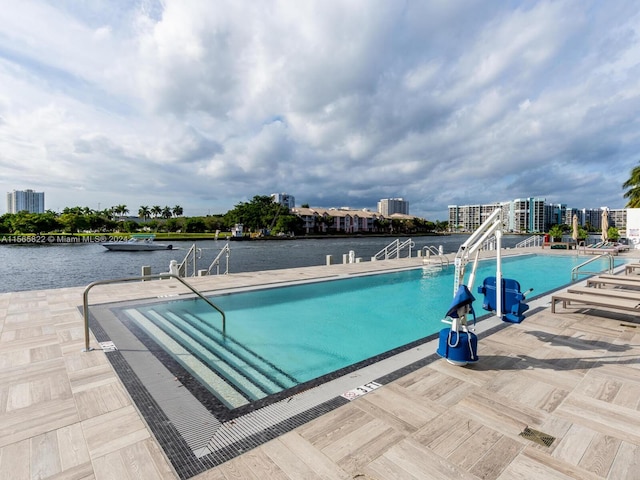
<point x="280" y="338"/>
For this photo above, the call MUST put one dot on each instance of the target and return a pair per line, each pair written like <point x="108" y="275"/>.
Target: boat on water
<point x="137" y="243"/>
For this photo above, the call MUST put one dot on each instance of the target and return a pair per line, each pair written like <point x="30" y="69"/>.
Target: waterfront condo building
<point x="334" y="220"/>
<point x="522" y="215"/>
<point x="467" y="218"/>
<point x="389" y="206"/>
<point x="532" y="215"/>
<point x="20" y="200"/>
<point x="284" y="199"/>
<point x="618" y="218"/>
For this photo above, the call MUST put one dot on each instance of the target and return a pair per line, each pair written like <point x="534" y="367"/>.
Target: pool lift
<point x="458" y="344"/>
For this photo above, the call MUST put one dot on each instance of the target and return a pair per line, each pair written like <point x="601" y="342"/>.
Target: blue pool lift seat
<point x="457" y="344"/>
<point x="462" y="304"/>
<point x="513" y="305"/>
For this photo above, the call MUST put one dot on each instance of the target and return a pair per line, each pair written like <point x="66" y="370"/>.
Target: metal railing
<point x="489" y="244"/>
<point x="190" y="260"/>
<point x="394" y="249"/>
<point x="575" y="270"/>
<point x="429" y="252"/>
<point x="216" y="261"/>
<point x="85" y="299"/>
<point x="532" y="241"/>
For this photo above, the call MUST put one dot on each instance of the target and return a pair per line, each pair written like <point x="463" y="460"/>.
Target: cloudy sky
<point x="206" y="103"/>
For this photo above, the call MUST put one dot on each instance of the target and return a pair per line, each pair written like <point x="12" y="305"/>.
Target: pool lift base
<point x="458" y="344"/>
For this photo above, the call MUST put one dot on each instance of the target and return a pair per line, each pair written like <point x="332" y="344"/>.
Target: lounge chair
<point x="621" y="247"/>
<point x="610" y="276"/>
<point x="600" y="250"/>
<point x="630" y="268"/>
<point x="617" y="282"/>
<point x="591" y="300"/>
<point x="607" y="292"/>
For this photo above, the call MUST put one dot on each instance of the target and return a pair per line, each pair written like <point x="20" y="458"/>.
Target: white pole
<point x="499" y="273"/>
<point x="472" y="277"/>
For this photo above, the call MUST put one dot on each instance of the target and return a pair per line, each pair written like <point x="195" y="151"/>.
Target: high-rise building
<point x="556" y="214"/>
<point x="28" y="200"/>
<point x="467" y="218"/>
<point x="519" y="215"/>
<point x="532" y="215"/>
<point x="389" y="206"/>
<point x="284" y="199"/>
<point x="528" y="215"/>
<point x="618" y="218"/>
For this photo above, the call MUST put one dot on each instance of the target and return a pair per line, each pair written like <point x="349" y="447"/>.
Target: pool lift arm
<point x="491" y="226"/>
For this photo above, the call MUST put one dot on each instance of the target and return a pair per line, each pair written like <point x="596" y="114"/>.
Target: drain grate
<point x="540" y="438"/>
<point x="108" y="346"/>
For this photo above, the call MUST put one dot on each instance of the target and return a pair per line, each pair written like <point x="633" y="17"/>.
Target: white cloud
<point x="344" y="103"/>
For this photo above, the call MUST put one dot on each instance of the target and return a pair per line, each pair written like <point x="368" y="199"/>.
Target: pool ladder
<point x="189" y="263"/>
<point x="394" y="249"/>
<point x="160" y="276"/>
<point x="575" y="271"/>
<point x="429" y="252"/>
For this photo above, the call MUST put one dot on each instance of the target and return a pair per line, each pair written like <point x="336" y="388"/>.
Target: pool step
<point x="243" y="361"/>
<point x="275" y="379"/>
<point x="232" y="373"/>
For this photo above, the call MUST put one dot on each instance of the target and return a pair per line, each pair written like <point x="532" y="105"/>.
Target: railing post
<point x="85" y="311"/>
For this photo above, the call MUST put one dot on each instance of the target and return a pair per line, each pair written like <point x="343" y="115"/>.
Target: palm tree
<point x="156" y="211"/>
<point x="634" y="185"/>
<point x="177" y="211"/>
<point x="120" y="210"/>
<point x="166" y="212"/>
<point x="107" y="213"/>
<point x="144" y="212"/>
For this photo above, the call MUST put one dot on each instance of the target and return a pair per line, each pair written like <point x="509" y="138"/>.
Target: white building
<point x="284" y="199"/>
<point x="466" y="218"/>
<point x="532" y="215"/>
<point x="28" y="200"/>
<point x="389" y="206"/>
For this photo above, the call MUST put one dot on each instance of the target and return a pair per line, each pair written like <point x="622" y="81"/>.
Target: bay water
<point x="38" y="267"/>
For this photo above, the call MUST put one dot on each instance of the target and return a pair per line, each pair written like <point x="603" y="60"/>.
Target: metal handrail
<point x="575" y="272"/>
<point x="183" y="268"/>
<point x="532" y="241"/>
<point x="216" y="261"/>
<point x="394" y="249"/>
<point x="431" y="250"/>
<point x="85" y="299"/>
<point x="489" y="244"/>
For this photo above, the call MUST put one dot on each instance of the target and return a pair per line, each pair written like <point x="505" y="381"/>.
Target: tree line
<point x="85" y="219"/>
<point x="261" y="215"/>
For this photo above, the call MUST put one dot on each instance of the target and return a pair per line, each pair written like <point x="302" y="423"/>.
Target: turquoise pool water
<point x="291" y="335"/>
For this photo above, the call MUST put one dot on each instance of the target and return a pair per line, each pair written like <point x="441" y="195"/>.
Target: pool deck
<point x="573" y="375"/>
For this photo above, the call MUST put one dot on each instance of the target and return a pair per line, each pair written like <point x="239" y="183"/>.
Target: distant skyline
<point x="206" y="104"/>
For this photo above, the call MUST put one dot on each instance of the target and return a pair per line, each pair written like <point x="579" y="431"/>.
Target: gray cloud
<point x="205" y="105"/>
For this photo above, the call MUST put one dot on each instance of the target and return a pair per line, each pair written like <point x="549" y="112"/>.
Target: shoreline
<point x="72" y="238"/>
